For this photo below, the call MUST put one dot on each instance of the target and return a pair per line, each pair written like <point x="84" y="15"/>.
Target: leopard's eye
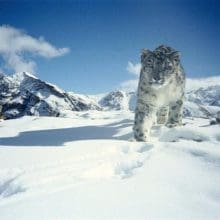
<point x="149" y="61"/>
<point x="176" y="60"/>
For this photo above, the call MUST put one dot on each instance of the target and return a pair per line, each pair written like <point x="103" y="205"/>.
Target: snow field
<point x="87" y="167"/>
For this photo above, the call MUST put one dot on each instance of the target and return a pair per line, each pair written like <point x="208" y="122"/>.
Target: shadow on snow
<point x="57" y="137"/>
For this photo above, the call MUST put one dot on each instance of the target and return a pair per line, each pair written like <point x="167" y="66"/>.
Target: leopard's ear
<point x="144" y="54"/>
<point x="175" y="56"/>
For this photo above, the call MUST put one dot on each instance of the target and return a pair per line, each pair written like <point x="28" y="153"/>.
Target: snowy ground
<point x="87" y="167"/>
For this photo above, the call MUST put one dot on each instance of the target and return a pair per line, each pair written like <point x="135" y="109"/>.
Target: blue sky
<point x="103" y="36"/>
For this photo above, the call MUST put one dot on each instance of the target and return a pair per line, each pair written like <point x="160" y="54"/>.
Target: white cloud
<point x="129" y="85"/>
<point x="132" y="84"/>
<point x="134" y="68"/>
<point x="15" y="44"/>
<point x="196" y="83"/>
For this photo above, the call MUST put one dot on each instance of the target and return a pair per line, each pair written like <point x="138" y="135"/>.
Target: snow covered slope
<point x="24" y="94"/>
<point x="85" y="167"/>
<point x="204" y="101"/>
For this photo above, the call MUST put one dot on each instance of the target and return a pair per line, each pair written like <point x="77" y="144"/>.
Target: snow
<point x="19" y="76"/>
<point x="88" y="167"/>
<point x="116" y="100"/>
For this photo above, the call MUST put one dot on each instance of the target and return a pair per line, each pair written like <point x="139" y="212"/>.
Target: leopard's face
<point x="159" y="66"/>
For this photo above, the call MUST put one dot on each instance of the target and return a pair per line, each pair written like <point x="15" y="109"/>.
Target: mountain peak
<point x="24" y="94"/>
<point x="20" y="76"/>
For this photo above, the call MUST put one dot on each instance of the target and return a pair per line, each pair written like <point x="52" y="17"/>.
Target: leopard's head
<point x="160" y="66"/>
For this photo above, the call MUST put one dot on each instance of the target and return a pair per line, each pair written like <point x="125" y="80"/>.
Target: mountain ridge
<point x="25" y="94"/>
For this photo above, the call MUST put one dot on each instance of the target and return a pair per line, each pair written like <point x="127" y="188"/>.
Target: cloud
<point x="196" y="83"/>
<point x="131" y="84"/>
<point x="16" y="46"/>
<point x="134" y="68"/>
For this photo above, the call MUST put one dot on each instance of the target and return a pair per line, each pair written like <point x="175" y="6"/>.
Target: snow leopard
<point x="160" y="93"/>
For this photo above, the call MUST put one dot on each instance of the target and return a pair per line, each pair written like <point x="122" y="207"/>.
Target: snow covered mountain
<point x="24" y="94"/>
<point x="117" y="100"/>
<point x="203" y="102"/>
<point x="205" y="96"/>
<point x="202" y="98"/>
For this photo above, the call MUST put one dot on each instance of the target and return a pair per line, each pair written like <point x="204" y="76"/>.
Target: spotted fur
<point x="160" y="91"/>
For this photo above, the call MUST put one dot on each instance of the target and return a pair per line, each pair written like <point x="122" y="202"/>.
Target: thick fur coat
<point x="160" y="92"/>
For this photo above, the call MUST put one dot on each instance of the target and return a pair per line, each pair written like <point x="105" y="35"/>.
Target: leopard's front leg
<point x="175" y="114"/>
<point x="144" y="118"/>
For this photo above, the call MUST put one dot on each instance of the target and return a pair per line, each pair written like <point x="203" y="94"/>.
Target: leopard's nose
<point x="156" y="77"/>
